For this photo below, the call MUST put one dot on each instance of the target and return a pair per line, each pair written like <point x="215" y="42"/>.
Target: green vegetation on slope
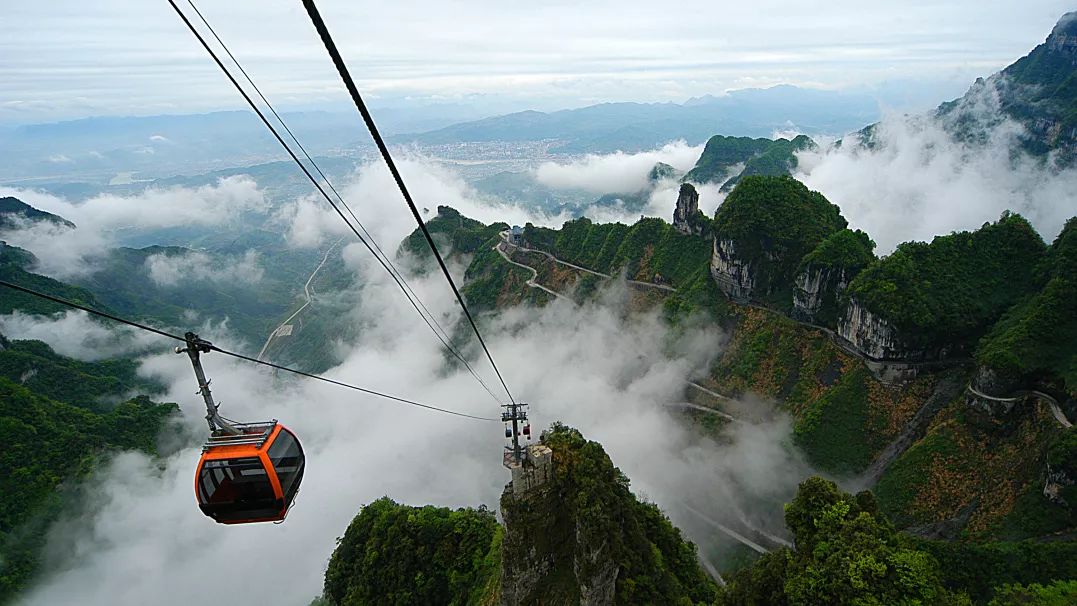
<point x="13" y="210"/>
<point x="46" y="443"/>
<point x="846" y="249"/>
<point x="847" y="552"/>
<point x="37" y="367"/>
<point x="722" y="153"/>
<point x="1036" y="341"/>
<point x="15" y="264"/>
<point x="985" y="569"/>
<point x="985" y="481"/>
<point x="123" y="282"/>
<point x="395" y="554"/>
<point x="778" y="159"/>
<point x="947" y="293"/>
<point x="1042" y="86"/>
<point x="758" y="157"/>
<point x="594" y="521"/>
<point x="449" y="227"/>
<point x="1059" y="593"/>
<point x="773" y="223"/>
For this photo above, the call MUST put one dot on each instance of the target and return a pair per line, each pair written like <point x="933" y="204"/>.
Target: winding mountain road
<point x="1052" y="403"/>
<point x="505" y="240"/>
<point x="534" y="275"/>
<point x="306" y="293"/>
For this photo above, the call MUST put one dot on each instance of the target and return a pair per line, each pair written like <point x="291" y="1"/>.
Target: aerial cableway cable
<point x="357" y="98"/>
<point x="393" y="269"/>
<point x="385" y="263"/>
<point x="233" y="354"/>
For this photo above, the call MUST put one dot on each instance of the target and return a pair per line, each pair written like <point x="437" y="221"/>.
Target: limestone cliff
<point x="812" y="286"/>
<point x="762" y="232"/>
<point x="871" y="334"/>
<point x="733" y="273"/>
<point x="686" y="217"/>
<point x="826" y="272"/>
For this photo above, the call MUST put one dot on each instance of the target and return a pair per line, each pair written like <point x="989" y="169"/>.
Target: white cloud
<point x="59" y="159"/>
<point x="170" y="270"/>
<point x="65" y="252"/>
<point x="919" y="182"/>
<point x="75" y="335"/>
<point x="373" y="196"/>
<point x="617" y="172"/>
<point x="143" y="539"/>
<point x="142" y="60"/>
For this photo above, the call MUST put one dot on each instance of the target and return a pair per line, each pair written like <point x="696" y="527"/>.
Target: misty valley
<point x="782" y="345"/>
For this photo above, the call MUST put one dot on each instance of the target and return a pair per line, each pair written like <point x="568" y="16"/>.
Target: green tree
<point x="846" y="552"/>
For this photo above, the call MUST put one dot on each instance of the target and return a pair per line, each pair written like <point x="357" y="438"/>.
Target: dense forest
<point x="848" y="552"/>
<point x="948" y="292"/>
<point x="53" y="442"/>
<point x="727" y="160"/>
<point x="596" y="532"/>
<point x="773" y="223"/>
<point x="1034" y="340"/>
<point x="395" y="554"/>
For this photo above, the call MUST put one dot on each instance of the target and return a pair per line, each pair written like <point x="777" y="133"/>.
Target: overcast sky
<point x="70" y="58"/>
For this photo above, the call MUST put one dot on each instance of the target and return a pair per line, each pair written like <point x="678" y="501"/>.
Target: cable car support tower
<point x="512" y="416"/>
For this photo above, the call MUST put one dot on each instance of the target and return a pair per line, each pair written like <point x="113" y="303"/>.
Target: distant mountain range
<point x="610" y="127"/>
<point x="1038" y="90"/>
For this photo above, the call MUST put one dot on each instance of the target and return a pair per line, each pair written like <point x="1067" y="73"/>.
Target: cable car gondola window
<point x="287" y="458"/>
<point x="237" y="488"/>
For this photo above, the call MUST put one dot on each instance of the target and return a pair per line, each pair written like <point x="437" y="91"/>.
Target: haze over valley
<point x="795" y="327"/>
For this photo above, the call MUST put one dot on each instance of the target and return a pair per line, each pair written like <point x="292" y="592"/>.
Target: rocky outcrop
<point x="661" y="171"/>
<point x="686" y="215"/>
<point x="877" y="339"/>
<point x="528" y="557"/>
<point x="815" y="286"/>
<point x="1063" y="38"/>
<point x="733" y="275"/>
<point x="870" y="334"/>
<point x="595" y="570"/>
<point x="1056" y="484"/>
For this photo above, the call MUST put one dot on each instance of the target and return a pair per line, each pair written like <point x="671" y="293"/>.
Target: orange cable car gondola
<point x="252" y="476"/>
<point x="249" y="472"/>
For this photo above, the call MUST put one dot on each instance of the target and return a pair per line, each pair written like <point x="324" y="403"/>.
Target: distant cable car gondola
<point x="249" y="472"/>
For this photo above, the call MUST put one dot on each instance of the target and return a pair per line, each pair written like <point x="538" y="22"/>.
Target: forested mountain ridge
<point x="251" y="280"/>
<point x="727" y="160"/>
<point x="845" y="415"/>
<point x="53" y="441"/>
<point x="1039" y="91"/>
<point x="578" y="536"/>
<point x="610" y="127"/>
<point x="60" y="419"/>
<point x="13" y="210"/>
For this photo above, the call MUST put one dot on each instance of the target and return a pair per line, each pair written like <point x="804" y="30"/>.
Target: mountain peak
<point x="1063" y="38"/>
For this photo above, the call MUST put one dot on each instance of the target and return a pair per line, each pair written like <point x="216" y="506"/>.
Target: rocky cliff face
<point x="733" y="275"/>
<point x="687" y="211"/>
<point x="816" y="286"/>
<point x="870" y="334"/>
<point x="1063" y="38"/>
